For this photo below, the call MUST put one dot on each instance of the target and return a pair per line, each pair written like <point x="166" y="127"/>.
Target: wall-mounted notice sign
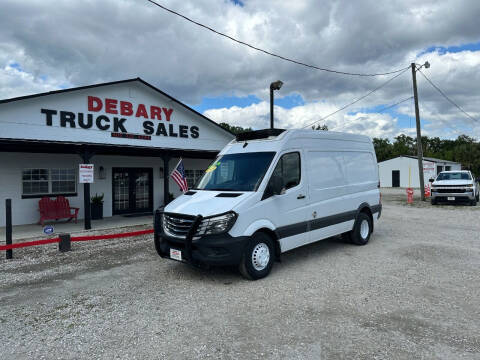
<point x="85" y="173"/>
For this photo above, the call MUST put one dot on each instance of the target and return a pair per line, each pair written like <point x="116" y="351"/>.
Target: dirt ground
<point x="412" y="293"/>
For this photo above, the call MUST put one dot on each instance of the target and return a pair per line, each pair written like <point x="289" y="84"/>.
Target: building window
<point x="63" y="181"/>
<point x="193" y="176"/>
<point x="48" y="181"/>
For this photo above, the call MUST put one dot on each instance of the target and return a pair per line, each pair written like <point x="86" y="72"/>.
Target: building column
<point x="86" y="157"/>
<point x="166" y="179"/>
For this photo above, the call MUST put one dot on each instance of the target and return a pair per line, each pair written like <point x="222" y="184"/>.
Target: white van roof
<point x="276" y="139"/>
<point x="284" y="135"/>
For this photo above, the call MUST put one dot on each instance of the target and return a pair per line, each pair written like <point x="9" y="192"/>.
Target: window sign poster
<point x="85" y="173"/>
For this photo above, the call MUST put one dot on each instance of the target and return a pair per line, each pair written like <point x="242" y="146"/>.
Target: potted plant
<point x="96" y="207"/>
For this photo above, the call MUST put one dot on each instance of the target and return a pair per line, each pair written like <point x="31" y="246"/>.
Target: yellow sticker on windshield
<point x="213" y="167"/>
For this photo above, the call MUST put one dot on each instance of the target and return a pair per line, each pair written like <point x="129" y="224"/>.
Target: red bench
<point x="56" y="209"/>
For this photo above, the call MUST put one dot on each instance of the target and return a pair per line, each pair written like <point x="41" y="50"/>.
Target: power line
<point x="360" y="98"/>
<point x="446" y="97"/>
<point x="393" y="105"/>
<point x="268" y="52"/>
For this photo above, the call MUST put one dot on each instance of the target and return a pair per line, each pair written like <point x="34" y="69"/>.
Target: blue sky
<point x="452" y="49"/>
<point x="220" y="102"/>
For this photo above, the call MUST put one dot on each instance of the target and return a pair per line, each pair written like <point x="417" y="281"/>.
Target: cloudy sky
<point x="47" y="45"/>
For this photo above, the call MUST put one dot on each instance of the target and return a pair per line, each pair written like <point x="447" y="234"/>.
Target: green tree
<point x="404" y="145"/>
<point x="465" y="149"/>
<point x="235" y="129"/>
<point x="383" y="149"/>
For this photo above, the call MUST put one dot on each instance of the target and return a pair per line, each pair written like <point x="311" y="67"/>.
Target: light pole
<point x="273" y="86"/>
<point x="419" y="133"/>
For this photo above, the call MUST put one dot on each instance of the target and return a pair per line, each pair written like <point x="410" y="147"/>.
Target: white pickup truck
<point x="454" y="186"/>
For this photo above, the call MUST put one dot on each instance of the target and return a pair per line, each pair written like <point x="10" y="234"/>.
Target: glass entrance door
<point x="132" y="190"/>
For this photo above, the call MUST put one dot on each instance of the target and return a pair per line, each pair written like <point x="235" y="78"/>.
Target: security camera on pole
<point x="419" y="133"/>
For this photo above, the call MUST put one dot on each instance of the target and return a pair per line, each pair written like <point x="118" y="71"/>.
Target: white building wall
<point x="25" y="211"/>
<point x="406" y="166"/>
<point x="402" y="164"/>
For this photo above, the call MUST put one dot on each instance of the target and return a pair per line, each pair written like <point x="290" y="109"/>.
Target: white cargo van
<point x="270" y="191"/>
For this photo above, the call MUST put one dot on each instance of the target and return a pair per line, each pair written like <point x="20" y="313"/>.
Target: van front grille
<point x="177" y="225"/>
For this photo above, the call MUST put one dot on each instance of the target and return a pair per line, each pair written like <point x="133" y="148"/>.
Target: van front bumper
<point x="215" y="250"/>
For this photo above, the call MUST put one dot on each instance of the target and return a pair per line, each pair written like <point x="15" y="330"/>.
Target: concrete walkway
<point x="35" y="231"/>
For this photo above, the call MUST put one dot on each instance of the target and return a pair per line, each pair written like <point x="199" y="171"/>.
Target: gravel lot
<point x="412" y="293"/>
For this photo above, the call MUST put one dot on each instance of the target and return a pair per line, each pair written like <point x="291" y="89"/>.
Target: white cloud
<point x="257" y="116"/>
<point x="79" y="43"/>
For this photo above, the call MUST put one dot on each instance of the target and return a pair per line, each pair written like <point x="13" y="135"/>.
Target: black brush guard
<point x="158" y="227"/>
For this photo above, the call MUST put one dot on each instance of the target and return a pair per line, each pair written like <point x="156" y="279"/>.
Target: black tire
<point x="477" y="197"/>
<point x="473" y="202"/>
<point x="256" y="269"/>
<point x="433" y="201"/>
<point x="356" y="234"/>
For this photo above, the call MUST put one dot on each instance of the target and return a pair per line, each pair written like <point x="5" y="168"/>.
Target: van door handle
<point x="301" y="196"/>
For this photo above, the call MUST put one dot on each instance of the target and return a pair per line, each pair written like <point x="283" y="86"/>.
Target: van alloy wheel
<point x="258" y="256"/>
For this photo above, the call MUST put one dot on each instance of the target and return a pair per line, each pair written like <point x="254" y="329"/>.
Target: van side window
<point x="288" y="169"/>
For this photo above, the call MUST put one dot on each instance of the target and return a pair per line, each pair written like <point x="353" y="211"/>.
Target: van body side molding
<point x="310" y="225"/>
<point x="315" y="224"/>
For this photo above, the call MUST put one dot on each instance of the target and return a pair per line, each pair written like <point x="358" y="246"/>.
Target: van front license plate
<point x="175" y="254"/>
<point x="451" y="198"/>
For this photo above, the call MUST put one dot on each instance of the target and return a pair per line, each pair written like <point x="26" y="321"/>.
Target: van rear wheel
<point x="258" y="257"/>
<point x="362" y="229"/>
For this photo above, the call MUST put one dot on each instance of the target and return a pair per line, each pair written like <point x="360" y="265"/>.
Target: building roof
<point x="114" y="83"/>
<point x="431" y="159"/>
<point x="435" y="160"/>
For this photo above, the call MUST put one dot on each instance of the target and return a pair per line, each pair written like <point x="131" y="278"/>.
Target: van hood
<point x="206" y="202"/>
<point x="452" y="182"/>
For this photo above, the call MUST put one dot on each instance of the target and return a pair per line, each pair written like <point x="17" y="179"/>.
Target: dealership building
<point x="133" y="133"/>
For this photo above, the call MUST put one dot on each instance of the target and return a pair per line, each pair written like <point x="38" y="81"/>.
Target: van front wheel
<point x="258" y="257"/>
<point x="362" y="229"/>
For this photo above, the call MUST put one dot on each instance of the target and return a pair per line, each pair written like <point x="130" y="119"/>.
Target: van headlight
<point x="217" y="224"/>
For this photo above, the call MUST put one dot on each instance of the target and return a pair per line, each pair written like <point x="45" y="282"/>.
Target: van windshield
<point x="236" y="172"/>
<point x="454" y="176"/>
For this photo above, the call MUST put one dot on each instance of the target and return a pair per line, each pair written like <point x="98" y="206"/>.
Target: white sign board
<point x="107" y="115"/>
<point x="428" y="170"/>
<point x="85" y="173"/>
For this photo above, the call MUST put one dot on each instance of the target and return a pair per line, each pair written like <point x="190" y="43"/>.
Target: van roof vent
<point x="258" y="134"/>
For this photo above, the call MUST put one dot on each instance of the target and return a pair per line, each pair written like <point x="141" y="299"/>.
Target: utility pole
<point x="419" y="133"/>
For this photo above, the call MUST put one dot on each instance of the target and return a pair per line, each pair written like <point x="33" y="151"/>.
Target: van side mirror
<point x="431" y="180"/>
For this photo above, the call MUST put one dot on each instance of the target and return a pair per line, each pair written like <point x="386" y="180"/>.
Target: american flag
<point x="178" y="174"/>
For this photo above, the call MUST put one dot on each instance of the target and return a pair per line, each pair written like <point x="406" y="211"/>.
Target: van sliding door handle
<point x="301" y="196"/>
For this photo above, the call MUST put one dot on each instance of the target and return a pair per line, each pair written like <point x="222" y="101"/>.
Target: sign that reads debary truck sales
<point x="113" y="115"/>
